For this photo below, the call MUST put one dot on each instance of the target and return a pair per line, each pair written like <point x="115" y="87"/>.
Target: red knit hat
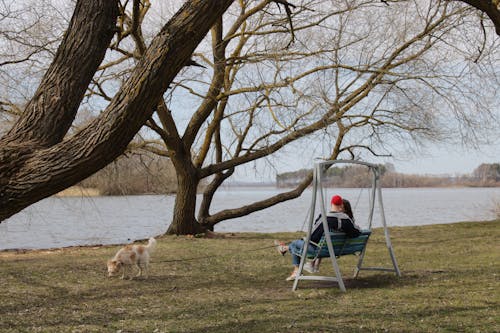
<point x="336" y="200"/>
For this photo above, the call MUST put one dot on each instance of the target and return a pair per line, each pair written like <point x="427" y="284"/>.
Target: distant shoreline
<point x="78" y="191"/>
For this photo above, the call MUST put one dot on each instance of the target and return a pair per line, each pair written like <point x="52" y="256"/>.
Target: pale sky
<point x="442" y="159"/>
<point x="447" y="159"/>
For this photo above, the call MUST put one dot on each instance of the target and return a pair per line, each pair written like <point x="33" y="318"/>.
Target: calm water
<point x="60" y="222"/>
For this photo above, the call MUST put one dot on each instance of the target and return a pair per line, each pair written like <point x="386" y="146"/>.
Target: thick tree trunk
<point x="184" y="219"/>
<point x="51" y="111"/>
<point x="24" y="150"/>
<point x="35" y="165"/>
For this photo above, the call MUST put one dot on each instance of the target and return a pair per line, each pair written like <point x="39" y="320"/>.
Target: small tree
<point x="487" y="174"/>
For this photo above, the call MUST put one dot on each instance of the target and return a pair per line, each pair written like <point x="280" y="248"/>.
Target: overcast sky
<point x="437" y="160"/>
<point x="448" y="160"/>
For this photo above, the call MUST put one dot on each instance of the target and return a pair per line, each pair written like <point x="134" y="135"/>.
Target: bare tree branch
<point x="490" y="8"/>
<point x="28" y="177"/>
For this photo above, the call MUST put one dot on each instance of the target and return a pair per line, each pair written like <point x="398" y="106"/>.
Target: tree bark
<point x="32" y="167"/>
<point x="184" y="219"/>
<point x="256" y="206"/>
<point x="51" y="111"/>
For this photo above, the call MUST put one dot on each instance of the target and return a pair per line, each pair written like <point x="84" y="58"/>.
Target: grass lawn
<point x="450" y="283"/>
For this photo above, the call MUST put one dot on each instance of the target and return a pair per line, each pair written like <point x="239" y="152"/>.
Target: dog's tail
<point x="151" y="245"/>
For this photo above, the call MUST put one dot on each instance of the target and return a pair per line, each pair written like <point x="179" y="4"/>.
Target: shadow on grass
<point x="369" y="282"/>
<point x="377" y="281"/>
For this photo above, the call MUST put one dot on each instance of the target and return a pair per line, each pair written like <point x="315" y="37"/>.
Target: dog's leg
<point x="123" y="273"/>
<point x="140" y="269"/>
<point x="146" y="269"/>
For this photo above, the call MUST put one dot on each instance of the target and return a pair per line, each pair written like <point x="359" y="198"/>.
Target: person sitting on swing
<point x="337" y="219"/>
<point x="313" y="266"/>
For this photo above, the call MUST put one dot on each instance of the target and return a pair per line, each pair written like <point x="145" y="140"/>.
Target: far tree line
<point x="485" y="175"/>
<point x="134" y="174"/>
<point x="148" y="174"/>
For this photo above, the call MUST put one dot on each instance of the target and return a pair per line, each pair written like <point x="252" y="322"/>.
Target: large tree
<point x="346" y="77"/>
<point x="36" y="160"/>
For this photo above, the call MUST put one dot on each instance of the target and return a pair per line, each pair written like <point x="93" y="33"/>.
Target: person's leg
<point x="294" y="247"/>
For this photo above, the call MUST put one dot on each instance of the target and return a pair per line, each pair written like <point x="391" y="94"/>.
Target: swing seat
<point x="342" y="245"/>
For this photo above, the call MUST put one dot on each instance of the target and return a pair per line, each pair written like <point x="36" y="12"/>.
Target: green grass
<point x="450" y="283"/>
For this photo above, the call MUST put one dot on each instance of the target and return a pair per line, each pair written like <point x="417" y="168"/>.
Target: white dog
<point x="129" y="255"/>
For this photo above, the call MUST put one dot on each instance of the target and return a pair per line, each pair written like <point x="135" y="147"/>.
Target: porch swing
<point x="335" y="244"/>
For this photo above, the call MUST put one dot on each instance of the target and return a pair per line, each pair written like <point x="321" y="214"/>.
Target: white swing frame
<point x="320" y="166"/>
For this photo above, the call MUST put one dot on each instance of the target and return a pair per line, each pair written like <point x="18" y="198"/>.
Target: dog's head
<point x="114" y="267"/>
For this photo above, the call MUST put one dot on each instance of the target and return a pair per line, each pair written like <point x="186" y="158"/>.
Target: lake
<point x="69" y="221"/>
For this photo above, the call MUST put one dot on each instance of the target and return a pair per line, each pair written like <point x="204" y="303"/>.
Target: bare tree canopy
<point x="490" y="8"/>
<point x="35" y="161"/>
<point x="353" y="75"/>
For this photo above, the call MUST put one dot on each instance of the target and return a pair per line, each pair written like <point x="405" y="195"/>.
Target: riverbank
<point x="450" y="283"/>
